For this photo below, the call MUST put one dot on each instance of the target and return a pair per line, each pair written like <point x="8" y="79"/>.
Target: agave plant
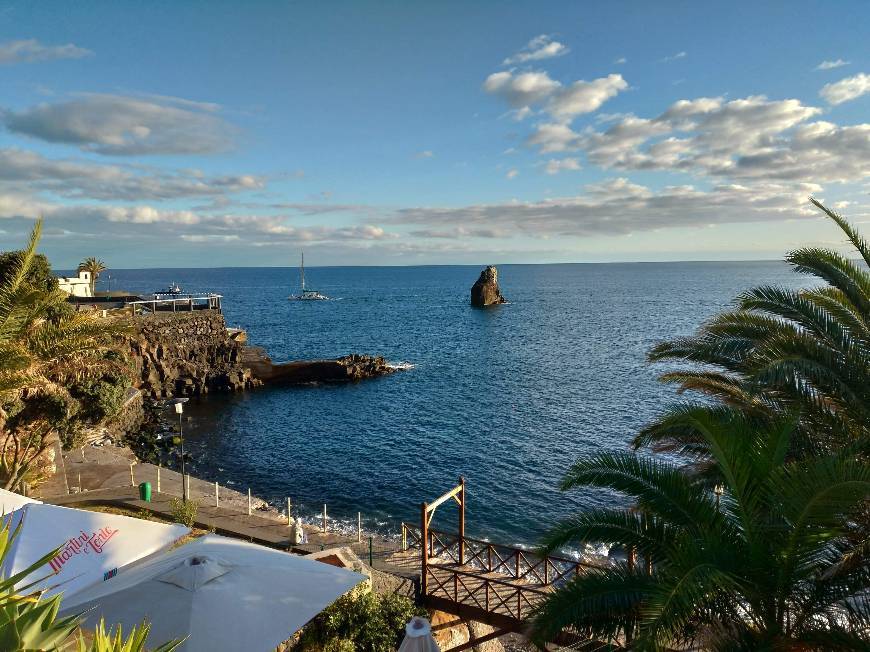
<point x="805" y="352"/>
<point x="771" y="564"/>
<point x="114" y="641"/>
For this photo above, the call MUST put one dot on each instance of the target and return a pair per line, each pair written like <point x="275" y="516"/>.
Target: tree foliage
<point x="774" y="564"/>
<point x="47" y="350"/>
<point x="96" y="267"/>
<point x="360" y="622"/>
<point x="805" y="352"/>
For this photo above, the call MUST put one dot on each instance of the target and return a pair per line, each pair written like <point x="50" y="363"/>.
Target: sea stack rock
<point x="485" y="291"/>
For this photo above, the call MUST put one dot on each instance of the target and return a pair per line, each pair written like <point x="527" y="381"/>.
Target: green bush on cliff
<point x="101" y="397"/>
<point x="363" y="622"/>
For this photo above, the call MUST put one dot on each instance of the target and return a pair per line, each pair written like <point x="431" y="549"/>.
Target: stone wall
<point x="186" y="354"/>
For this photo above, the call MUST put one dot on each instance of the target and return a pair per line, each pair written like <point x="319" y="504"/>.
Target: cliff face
<point x="485" y="291"/>
<point x="187" y="354"/>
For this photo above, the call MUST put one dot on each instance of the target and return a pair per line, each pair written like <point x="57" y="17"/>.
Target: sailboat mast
<point x="302" y="269"/>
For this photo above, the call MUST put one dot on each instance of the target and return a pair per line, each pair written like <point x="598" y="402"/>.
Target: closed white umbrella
<point x="223" y="594"/>
<point x="93" y="545"/>
<point x="418" y="637"/>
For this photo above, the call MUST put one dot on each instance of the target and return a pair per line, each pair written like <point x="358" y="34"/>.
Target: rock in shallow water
<point x="485" y="291"/>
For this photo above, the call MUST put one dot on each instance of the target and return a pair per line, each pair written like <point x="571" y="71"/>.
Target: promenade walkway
<point x="102" y="476"/>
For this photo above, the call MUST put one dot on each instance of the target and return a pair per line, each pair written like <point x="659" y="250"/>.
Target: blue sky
<point x="209" y="134"/>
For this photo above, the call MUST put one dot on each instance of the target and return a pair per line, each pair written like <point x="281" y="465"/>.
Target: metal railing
<point x="179" y="304"/>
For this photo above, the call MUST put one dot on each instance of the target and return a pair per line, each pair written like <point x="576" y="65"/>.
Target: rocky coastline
<point x="193" y="354"/>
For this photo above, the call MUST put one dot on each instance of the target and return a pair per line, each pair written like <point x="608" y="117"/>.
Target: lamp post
<point x="179" y="410"/>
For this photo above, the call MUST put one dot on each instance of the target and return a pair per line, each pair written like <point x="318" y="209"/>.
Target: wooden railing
<point x="516" y="563"/>
<point x="478" y="591"/>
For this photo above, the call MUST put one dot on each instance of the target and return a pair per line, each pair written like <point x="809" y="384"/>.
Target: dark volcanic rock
<point x="186" y="354"/>
<point x="350" y="368"/>
<point x="485" y="291"/>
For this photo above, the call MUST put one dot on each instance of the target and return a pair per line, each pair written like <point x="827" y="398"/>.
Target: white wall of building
<point x="77" y="286"/>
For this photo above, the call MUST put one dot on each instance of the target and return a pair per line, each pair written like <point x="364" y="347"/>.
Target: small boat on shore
<point x="306" y="295"/>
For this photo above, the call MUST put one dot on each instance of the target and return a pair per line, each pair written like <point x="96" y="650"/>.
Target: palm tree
<point x="96" y="267"/>
<point x="45" y="347"/>
<point x="771" y="565"/>
<point x="780" y="350"/>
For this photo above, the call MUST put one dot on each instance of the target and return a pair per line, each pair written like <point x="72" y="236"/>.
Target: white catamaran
<point x="306" y="295"/>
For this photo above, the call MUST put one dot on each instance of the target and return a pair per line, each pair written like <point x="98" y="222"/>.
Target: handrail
<point x="441" y="537"/>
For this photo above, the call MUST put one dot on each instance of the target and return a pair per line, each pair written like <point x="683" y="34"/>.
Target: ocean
<point x="508" y="397"/>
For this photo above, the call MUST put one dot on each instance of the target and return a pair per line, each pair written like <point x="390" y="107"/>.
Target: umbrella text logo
<point x="82" y="544"/>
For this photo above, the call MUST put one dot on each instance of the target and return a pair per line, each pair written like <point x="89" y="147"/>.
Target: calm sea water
<point x="507" y="397"/>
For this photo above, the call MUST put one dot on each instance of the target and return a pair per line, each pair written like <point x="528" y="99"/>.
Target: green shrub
<point x="361" y="622"/>
<point x="184" y="512"/>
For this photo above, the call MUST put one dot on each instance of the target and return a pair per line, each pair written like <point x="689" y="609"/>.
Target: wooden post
<point x="404" y="537"/>
<point x="249" y="501"/>
<point x="80" y="482"/>
<point x="158" y="479"/>
<point x="424" y="547"/>
<point x="461" y="520"/>
<point x="359" y="527"/>
<point x="631" y="559"/>
<point x="217" y="500"/>
<point x="324" y="518"/>
<point x="132" y="479"/>
<point x="186" y="491"/>
<point x="289" y="512"/>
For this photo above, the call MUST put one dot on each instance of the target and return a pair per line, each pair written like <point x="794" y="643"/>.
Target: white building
<point x="77" y="286"/>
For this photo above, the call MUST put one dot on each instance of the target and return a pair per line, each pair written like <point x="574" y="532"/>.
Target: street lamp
<point x="179" y="410"/>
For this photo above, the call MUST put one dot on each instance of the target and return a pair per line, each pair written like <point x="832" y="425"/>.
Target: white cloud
<point x="556" y="165"/>
<point x="426" y="153"/>
<point x="520" y="90"/>
<point x="620" y="207"/>
<point x="673" y="57"/>
<point x="585" y="97"/>
<point x="512" y="173"/>
<point x="31" y="50"/>
<point x="620" y="61"/>
<point x="846" y="89"/>
<point x="540" y="47"/>
<point x="746" y="138"/>
<point x="830" y="65"/>
<point x="79" y="179"/>
<point x="554" y="137"/>
<point x="123" y="125"/>
<point x="523" y="90"/>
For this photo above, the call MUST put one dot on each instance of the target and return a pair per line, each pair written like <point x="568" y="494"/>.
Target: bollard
<point x="158" y="479"/>
<point x="359" y="527"/>
<point x="249" y="501"/>
<point x="371" y="561"/>
<point x="80" y="482"/>
<point x="132" y="479"/>
<point x="187" y="487"/>
<point x="217" y="502"/>
<point x="324" y="518"/>
<point x="289" y="518"/>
